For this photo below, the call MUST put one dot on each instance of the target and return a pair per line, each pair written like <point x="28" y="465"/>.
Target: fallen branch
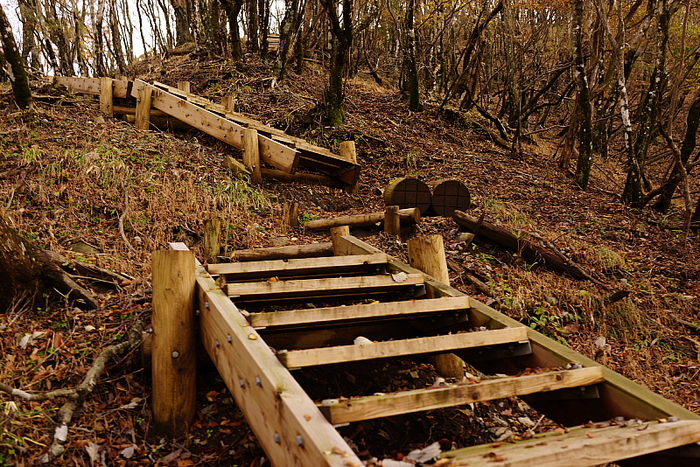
<point x="76" y="396"/>
<point x="87" y="270"/>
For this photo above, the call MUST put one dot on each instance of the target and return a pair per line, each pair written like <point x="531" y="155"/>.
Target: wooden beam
<point x="282" y="252"/>
<point x="392" y="222"/>
<point x="333" y="265"/>
<point x="406" y="216"/>
<point x="336" y="233"/>
<point x="271" y="152"/>
<point x="251" y="154"/>
<point x="582" y="447"/>
<point x="106" y="97"/>
<point x="388" y="349"/>
<point x="327" y="287"/>
<point x="302" y="177"/>
<point x="349" y="153"/>
<point x="286" y="422"/>
<point x="144" y="96"/>
<point x="92" y="85"/>
<point x="358" y="313"/>
<point x="212" y="233"/>
<point x="419" y="400"/>
<point x="174" y="356"/>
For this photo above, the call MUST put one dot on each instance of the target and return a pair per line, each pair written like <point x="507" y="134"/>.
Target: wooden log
<point x="290" y="216"/>
<point x="388" y="349"/>
<point x="408" y="193"/>
<point x="406" y="216"/>
<point x="107" y="96"/>
<point x="212" y="246"/>
<point x="450" y="195"/>
<point x="548" y="257"/>
<point x="336" y="234"/>
<point x="428" y="255"/>
<point x="143" y="107"/>
<point x="282" y="252"/>
<point x="392" y="223"/>
<point x="419" y="400"/>
<point x="174" y="355"/>
<point x="251" y="154"/>
<point x="184" y="86"/>
<point x="311" y="179"/>
<point x="236" y="167"/>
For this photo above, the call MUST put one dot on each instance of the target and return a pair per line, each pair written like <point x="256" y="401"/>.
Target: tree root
<point x="76" y="396"/>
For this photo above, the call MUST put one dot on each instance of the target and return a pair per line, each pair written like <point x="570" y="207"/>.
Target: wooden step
<point x="358" y="313"/>
<point x="582" y="446"/>
<point x="399" y="348"/>
<point x="386" y="405"/>
<point x="341" y="288"/>
<point x="328" y="266"/>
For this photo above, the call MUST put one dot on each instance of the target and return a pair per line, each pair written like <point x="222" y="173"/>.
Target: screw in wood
<point x="241" y="383"/>
<point x="300" y="441"/>
<point x="229" y="339"/>
<point x="258" y="381"/>
<point x="217" y="343"/>
<point x="175" y="354"/>
<point x="277" y="438"/>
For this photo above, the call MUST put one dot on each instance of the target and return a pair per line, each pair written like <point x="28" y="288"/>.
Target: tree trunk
<point x="182" y="21"/>
<point x="290" y="23"/>
<point x="233" y="9"/>
<point x="340" y="52"/>
<point x="26" y="270"/>
<point x="412" y="85"/>
<point x="585" y="154"/>
<point x="18" y="76"/>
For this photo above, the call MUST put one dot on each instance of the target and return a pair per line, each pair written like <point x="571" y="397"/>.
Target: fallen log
<point x="407" y="216"/>
<point x="284" y="252"/>
<point x="549" y="257"/>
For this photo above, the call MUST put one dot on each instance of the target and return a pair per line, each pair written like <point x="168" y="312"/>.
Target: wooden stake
<point x="184" y="86"/>
<point x="143" y="108"/>
<point x="428" y="255"/>
<point x="174" y="356"/>
<point x="107" y="97"/>
<point x="212" y="233"/>
<point x="336" y="233"/>
<point x="290" y="216"/>
<point x="349" y="153"/>
<point x="229" y="103"/>
<point x="251" y="154"/>
<point x="392" y="222"/>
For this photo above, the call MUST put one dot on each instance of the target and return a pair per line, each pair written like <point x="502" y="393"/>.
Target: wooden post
<point x="107" y="96"/>
<point x="392" y="222"/>
<point x="349" y="153"/>
<point x="336" y="234"/>
<point x="143" y="108"/>
<point x="229" y="103"/>
<point x="174" y="356"/>
<point x="428" y="254"/>
<point x="290" y="216"/>
<point x="212" y="232"/>
<point x="184" y="86"/>
<point x="251" y="154"/>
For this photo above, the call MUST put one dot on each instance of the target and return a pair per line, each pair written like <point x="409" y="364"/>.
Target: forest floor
<point x="71" y="179"/>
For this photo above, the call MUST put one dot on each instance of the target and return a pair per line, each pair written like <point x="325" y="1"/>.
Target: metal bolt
<point x="277" y="438"/>
<point x="258" y="381"/>
<point x="300" y="441"/>
<point x="175" y="354"/>
<point x="217" y="343"/>
<point x="196" y="312"/>
<point x="206" y="305"/>
<point x="241" y="383"/>
<point x="229" y="339"/>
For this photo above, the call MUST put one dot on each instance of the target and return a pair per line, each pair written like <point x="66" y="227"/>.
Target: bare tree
<point x="17" y="73"/>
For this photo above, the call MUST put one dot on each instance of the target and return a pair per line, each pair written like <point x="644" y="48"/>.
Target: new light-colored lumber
<point x="106" y="96"/>
<point x="336" y="234"/>
<point x="174" y="356"/>
<point x="386" y="349"/>
<point x="327" y="287"/>
<point x="370" y="311"/>
<point x="406" y="216"/>
<point x="251" y="154"/>
<point x="271" y="152"/>
<point x="286" y="422"/>
<point x="297" y="266"/>
<point x="620" y="395"/>
<point x="144" y="96"/>
<point x="282" y="252"/>
<point x="419" y="400"/>
<point x="349" y="153"/>
<point x="582" y="447"/>
<point x="92" y="86"/>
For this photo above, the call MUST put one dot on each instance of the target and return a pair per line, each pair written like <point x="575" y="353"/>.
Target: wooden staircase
<point x="256" y="351"/>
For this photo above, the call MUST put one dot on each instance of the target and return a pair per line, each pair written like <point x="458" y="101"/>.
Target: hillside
<point x="100" y="191"/>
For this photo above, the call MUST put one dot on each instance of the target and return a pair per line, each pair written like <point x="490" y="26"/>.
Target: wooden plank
<point x="271" y="152"/>
<point x="92" y="85"/>
<point x="620" y="395"/>
<point x="286" y="422"/>
<point x="386" y="349"/>
<point x="107" y="96"/>
<point x="419" y="400"/>
<point x="246" y="291"/>
<point x="283" y="252"/>
<point x="297" y="266"/>
<point x="370" y="311"/>
<point x="144" y="100"/>
<point x="582" y="447"/>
